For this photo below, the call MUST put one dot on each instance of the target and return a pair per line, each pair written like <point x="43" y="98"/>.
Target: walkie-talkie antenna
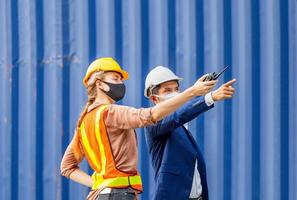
<point x="219" y="74"/>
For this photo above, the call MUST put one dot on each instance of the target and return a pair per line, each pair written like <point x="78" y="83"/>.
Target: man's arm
<point x="192" y="109"/>
<point x="184" y="114"/>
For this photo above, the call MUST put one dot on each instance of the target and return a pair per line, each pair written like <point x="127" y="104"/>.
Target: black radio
<point x="214" y="75"/>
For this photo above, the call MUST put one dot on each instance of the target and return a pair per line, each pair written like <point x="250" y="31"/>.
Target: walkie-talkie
<point x="214" y="75"/>
<point x="211" y="77"/>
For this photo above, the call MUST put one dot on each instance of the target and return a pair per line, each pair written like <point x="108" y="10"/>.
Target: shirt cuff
<point x="208" y="99"/>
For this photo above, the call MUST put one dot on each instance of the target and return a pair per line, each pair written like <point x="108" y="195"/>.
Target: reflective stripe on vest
<point x="87" y="146"/>
<point x="99" y="140"/>
<point x="101" y="159"/>
<point x="99" y="182"/>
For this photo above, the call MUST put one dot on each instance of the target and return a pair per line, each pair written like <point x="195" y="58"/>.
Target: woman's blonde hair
<point x="92" y="94"/>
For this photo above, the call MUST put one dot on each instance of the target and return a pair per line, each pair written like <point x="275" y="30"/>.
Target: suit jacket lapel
<point x="191" y="139"/>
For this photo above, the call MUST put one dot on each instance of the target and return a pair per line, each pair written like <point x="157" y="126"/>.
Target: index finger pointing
<point x="229" y="83"/>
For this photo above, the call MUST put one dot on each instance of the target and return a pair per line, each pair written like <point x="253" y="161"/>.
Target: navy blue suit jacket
<point x="174" y="152"/>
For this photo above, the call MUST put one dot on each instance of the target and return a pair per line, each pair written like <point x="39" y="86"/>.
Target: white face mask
<point x="167" y="96"/>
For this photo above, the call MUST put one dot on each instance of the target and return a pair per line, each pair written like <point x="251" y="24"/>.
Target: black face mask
<point x="116" y="91"/>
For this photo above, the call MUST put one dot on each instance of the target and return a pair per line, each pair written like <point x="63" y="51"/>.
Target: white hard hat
<point x="157" y="76"/>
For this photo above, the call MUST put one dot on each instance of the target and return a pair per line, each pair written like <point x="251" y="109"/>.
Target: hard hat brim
<point x="178" y="79"/>
<point x="124" y="74"/>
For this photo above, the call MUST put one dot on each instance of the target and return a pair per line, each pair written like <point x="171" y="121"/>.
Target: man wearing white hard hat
<point x="178" y="164"/>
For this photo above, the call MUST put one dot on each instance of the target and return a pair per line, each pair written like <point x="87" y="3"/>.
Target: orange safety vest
<point x="95" y="143"/>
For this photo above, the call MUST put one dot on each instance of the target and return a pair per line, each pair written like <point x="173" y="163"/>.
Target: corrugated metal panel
<point x="250" y="143"/>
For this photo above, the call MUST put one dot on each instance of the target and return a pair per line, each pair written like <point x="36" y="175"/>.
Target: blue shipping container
<point x="249" y="143"/>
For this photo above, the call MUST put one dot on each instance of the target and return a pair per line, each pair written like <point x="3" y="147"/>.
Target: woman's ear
<point x="102" y="86"/>
<point x="99" y="85"/>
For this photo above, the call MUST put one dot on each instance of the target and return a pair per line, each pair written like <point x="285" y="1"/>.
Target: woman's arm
<point x="81" y="177"/>
<point x="124" y="117"/>
<point x="70" y="167"/>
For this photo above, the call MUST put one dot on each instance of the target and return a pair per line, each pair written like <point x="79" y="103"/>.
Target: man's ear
<point x="154" y="99"/>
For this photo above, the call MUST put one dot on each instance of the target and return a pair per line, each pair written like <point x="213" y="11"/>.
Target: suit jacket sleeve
<point x="184" y="114"/>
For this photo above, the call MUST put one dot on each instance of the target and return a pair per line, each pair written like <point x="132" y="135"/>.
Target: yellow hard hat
<point x="104" y="64"/>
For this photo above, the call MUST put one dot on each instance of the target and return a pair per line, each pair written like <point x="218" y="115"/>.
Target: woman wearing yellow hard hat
<point x="105" y="134"/>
